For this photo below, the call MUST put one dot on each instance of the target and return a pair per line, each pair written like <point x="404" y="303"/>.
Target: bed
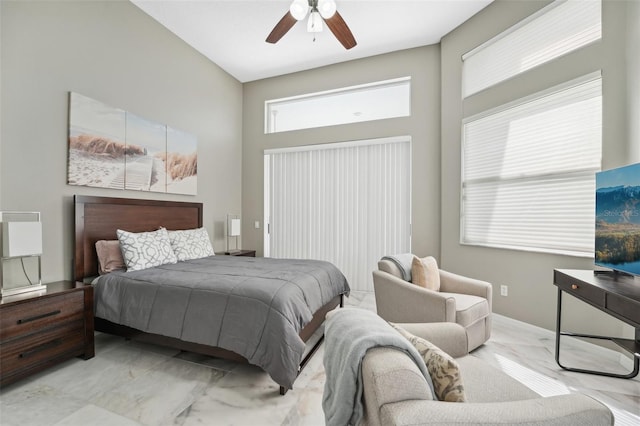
<point x="254" y="310"/>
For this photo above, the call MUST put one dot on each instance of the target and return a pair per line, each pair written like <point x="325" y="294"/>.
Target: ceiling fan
<point x="321" y="10"/>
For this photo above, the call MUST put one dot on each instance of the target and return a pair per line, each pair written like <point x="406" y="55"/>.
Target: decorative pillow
<point x="191" y="244"/>
<point x="145" y="249"/>
<point x="425" y="273"/>
<point x="109" y="256"/>
<point x="444" y="370"/>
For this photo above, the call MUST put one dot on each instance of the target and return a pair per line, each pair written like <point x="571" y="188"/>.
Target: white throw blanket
<point x="403" y="262"/>
<point x="349" y="333"/>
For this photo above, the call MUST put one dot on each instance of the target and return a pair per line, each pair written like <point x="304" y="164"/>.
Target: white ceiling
<point x="232" y="33"/>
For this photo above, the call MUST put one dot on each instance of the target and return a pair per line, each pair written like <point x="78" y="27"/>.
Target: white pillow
<point x="144" y="250"/>
<point x="191" y="244"/>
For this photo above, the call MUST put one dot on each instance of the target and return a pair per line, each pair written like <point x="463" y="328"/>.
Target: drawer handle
<point x="44" y="346"/>
<point x="574" y="286"/>
<point x="37" y="317"/>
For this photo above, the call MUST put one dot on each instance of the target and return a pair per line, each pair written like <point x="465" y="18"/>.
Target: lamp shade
<point x="299" y="9"/>
<point x="314" y="24"/>
<point x="234" y="228"/>
<point x="327" y="8"/>
<point x="21" y="239"/>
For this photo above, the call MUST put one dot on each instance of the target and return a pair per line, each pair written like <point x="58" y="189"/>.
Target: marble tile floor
<point x="132" y="384"/>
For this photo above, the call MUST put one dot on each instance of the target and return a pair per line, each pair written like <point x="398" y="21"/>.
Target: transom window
<point x="557" y="29"/>
<point x="367" y="102"/>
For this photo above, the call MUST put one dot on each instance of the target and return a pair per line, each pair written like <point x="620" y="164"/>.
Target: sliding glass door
<point x="347" y="203"/>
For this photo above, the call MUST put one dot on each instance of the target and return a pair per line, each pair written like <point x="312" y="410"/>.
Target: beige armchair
<point x="461" y="300"/>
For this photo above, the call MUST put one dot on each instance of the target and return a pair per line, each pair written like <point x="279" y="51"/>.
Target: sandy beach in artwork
<point x="100" y="162"/>
<point x="93" y="170"/>
<point x="182" y="172"/>
<point x="158" y="176"/>
<point x="187" y="186"/>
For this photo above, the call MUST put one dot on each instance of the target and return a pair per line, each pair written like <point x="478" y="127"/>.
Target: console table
<point x="616" y="294"/>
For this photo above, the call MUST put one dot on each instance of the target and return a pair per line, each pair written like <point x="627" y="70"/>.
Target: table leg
<point x="559" y="332"/>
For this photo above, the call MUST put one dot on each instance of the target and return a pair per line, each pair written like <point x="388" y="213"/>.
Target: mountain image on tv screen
<point x="617" y="243"/>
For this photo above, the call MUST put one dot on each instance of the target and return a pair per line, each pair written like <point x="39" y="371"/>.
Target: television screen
<point x="617" y="243"/>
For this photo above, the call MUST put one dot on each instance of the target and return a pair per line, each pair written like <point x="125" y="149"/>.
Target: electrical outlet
<point x="504" y="290"/>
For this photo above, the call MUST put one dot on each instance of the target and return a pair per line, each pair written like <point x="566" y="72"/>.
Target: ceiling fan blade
<point x="281" y="28"/>
<point x="340" y="29"/>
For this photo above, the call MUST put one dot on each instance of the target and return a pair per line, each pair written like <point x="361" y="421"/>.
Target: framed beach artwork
<point x="113" y="148"/>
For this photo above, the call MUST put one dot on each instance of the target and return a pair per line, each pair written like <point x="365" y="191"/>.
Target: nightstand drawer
<point x="35" y="350"/>
<point x="25" y="318"/>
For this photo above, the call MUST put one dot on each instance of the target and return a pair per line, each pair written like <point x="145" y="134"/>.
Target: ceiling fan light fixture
<point x="327" y="8"/>
<point x="320" y="12"/>
<point x="314" y="24"/>
<point x="299" y="9"/>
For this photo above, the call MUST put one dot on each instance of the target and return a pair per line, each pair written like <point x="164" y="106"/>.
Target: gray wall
<point x="633" y="79"/>
<point x="1" y="91"/>
<point x="113" y="52"/>
<point x="422" y="64"/>
<point x="532" y="296"/>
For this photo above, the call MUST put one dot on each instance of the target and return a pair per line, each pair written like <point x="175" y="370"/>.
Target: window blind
<point x="529" y="171"/>
<point x="557" y="29"/>
<point x="346" y="204"/>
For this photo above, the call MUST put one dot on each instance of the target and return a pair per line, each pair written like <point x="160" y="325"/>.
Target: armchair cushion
<point x="469" y="309"/>
<point x="443" y="369"/>
<point x="425" y="273"/>
<point x="448" y="336"/>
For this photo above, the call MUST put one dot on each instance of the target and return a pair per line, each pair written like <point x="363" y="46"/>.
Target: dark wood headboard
<point x="98" y="218"/>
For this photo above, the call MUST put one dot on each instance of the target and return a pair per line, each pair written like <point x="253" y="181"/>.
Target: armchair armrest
<point x="390" y="375"/>
<point x="448" y="336"/>
<point x="454" y="283"/>
<point x="573" y="409"/>
<point x="400" y="301"/>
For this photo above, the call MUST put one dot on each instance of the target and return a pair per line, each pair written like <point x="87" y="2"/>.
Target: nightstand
<point x="44" y="328"/>
<point x="247" y="253"/>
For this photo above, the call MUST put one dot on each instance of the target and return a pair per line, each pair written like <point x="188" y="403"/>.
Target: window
<point x="375" y="101"/>
<point x="557" y="29"/>
<point x="346" y="203"/>
<point x="528" y="168"/>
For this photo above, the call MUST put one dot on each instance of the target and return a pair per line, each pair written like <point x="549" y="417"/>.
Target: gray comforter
<point x="252" y="306"/>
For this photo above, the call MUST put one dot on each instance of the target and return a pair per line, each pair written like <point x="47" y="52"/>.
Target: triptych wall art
<point x="112" y="148"/>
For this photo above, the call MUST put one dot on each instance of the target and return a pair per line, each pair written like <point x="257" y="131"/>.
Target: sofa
<point x="394" y="390"/>
<point x="462" y="300"/>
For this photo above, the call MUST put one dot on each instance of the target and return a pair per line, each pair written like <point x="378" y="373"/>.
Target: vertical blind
<point x="557" y="29"/>
<point x="349" y="204"/>
<point x="528" y="171"/>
